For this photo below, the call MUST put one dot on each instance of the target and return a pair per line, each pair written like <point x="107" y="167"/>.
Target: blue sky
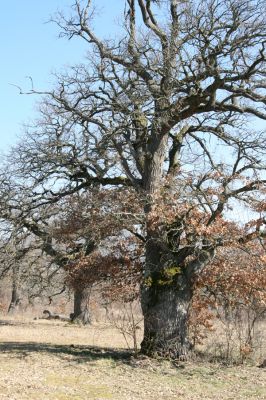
<point x="31" y="47"/>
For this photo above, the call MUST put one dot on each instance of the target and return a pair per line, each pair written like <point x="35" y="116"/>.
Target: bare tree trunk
<point x="15" y="299"/>
<point x="81" y="306"/>
<point x="165" y="301"/>
<point x="165" y="298"/>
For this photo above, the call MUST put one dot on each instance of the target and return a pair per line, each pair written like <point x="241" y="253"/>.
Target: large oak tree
<point x="168" y="107"/>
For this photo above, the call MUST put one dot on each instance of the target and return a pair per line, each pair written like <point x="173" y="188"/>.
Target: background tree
<point x="168" y="109"/>
<point x="91" y="223"/>
<point x="31" y="269"/>
<point x="13" y="250"/>
<point x="75" y="236"/>
<point x="30" y="272"/>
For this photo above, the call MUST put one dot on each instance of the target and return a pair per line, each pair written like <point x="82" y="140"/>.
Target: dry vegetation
<point x="57" y="361"/>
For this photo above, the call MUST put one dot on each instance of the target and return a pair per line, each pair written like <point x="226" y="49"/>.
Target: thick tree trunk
<point x="165" y="322"/>
<point x="167" y="288"/>
<point x="165" y="297"/>
<point x="81" y="306"/>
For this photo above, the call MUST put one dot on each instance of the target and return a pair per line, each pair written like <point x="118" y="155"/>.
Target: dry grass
<point x="55" y="361"/>
<point x="227" y="343"/>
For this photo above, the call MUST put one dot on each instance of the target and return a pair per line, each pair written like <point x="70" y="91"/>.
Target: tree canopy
<point x="169" y="111"/>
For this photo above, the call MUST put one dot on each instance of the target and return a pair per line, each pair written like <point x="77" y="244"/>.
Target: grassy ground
<point x="55" y="361"/>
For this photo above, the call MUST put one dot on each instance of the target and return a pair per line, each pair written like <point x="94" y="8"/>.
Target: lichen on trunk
<point x="165" y="297"/>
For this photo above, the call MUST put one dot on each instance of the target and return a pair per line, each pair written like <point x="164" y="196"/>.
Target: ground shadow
<point x="78" y="353"/>
<point x="6" y="322"/>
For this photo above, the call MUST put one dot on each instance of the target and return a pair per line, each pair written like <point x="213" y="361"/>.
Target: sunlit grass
<point x="43" y="360"/>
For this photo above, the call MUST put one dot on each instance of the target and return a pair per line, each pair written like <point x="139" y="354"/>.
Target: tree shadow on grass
<point x="77" y="353"/>
<point x="45" y="321"/>
<point x="7" y="322"/>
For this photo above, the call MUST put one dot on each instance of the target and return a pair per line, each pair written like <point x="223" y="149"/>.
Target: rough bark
<point x="165" y="298"/>
<point x="81" y="306"/>
<point x="167" y="291"/>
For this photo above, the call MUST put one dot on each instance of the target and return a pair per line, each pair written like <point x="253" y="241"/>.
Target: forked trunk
<point x="165" y="297"/>
<point x="81" y="306"/>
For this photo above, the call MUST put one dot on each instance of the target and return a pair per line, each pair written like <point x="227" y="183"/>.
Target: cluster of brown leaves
<point x="200" y="319"/>
<point x="91" y="229"/>
<point x="93" y="215"/>
<point x="190" y="224"/>
<point x="188" y="215"/>
<point x="118" y="271"/>
<point x="234" y="281"/>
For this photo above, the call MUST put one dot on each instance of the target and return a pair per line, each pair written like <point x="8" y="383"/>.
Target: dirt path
<point x="54" y="361"/>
